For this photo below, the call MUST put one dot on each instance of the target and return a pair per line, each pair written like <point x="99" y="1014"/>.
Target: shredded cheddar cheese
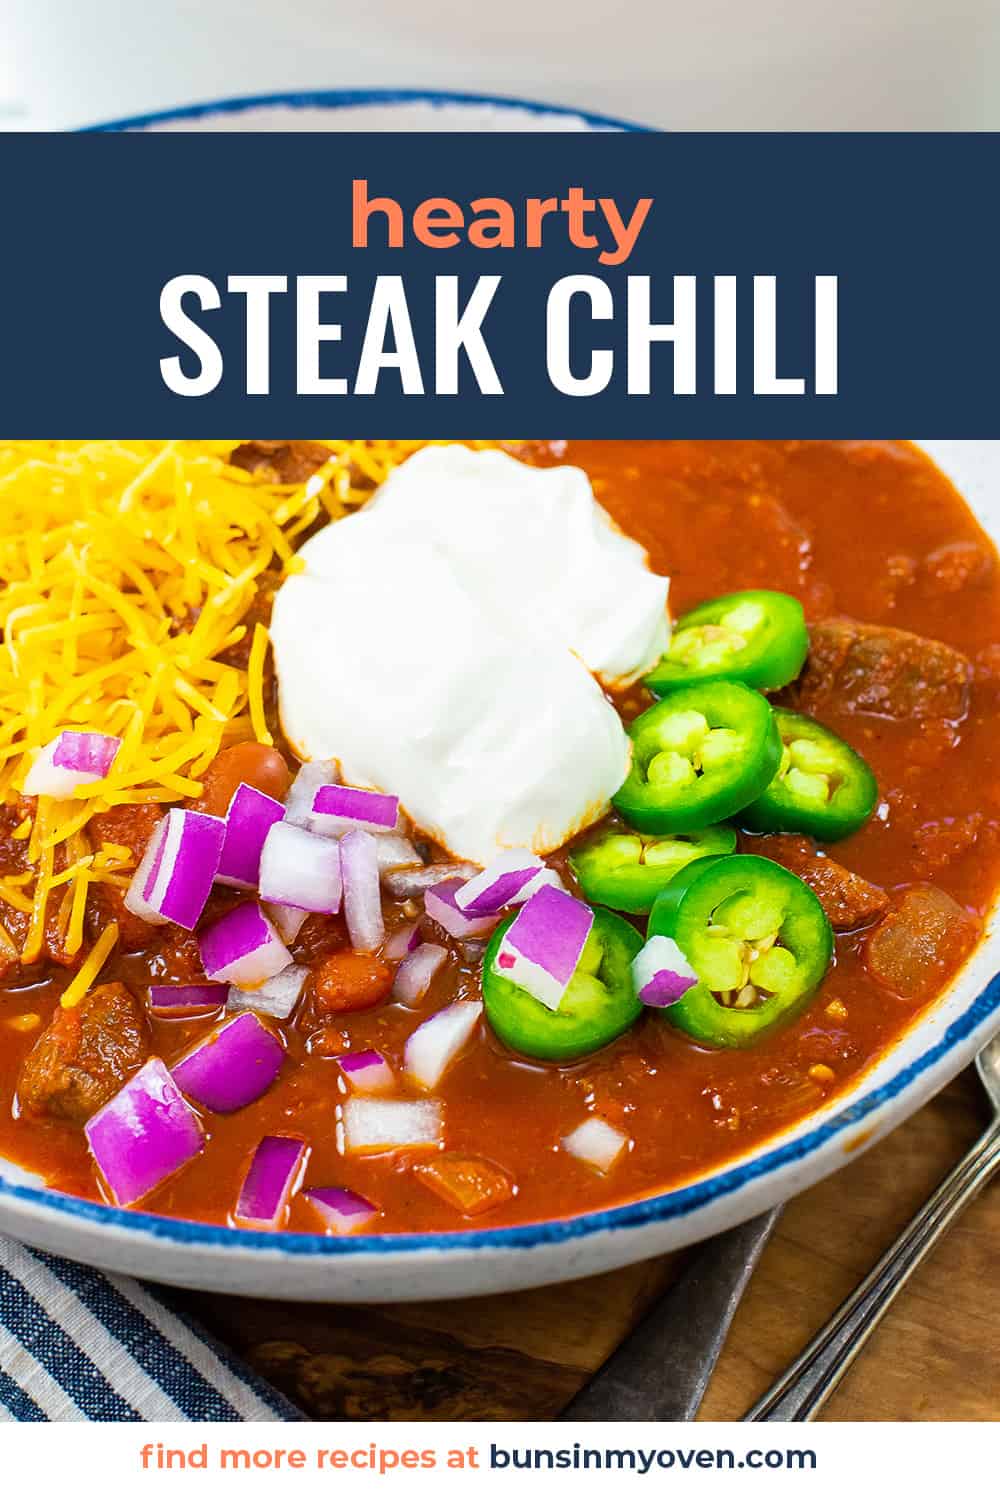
<point x="92" y="965"/>
<point x="255" y="685"/>
<point x="129" y="570"/>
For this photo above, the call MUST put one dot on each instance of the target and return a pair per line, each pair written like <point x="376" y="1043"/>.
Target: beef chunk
<point x="318" y="937"/>
<point x="875" y="669"/>
<point x="84" y="1055"/>
<point x="921" y="942"/>
<point x="288" y="462"/>
<point x="13" y="852"/>
<point x="131" y="826"/>
<point x="943" y="840"/>
<point x="848" y="900"/>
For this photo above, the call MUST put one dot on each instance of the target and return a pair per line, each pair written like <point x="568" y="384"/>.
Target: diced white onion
<point x="597" y="1143"/>
<point x="393" y="852"/>
<point x="299" y="868"/>
<point x="435" y="1044"/>
<point x="414" y="975"/>
<point x="309" y="778"/>
<point x="373" y="1125"/>
<point x="362" y="897"/>
<point x="288" y="920"/>
<point x="277" y="996"/>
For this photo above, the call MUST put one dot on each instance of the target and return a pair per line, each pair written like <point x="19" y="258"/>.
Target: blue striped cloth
<point x="80" y="1346"/>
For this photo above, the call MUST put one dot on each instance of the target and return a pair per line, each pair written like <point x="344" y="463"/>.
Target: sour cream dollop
<point x="443" y="644"/>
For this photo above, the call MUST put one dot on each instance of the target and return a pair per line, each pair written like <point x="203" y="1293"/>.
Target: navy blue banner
<point x="459" y="286"/>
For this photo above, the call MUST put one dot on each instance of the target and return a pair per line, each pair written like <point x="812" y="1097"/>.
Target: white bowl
<point x="370" y="109"/>
<point x="386" y="1268"/>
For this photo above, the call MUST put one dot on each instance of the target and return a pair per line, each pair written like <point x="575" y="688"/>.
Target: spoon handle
<point x="807" y="1383"/>
<point x="660" y="1372"/>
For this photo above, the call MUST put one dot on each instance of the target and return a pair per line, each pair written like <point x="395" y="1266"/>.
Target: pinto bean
<point x="259" y="766"/>
<point x="348" y="981"/>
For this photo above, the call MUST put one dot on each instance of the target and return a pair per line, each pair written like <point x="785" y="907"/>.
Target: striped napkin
<point x="79" y="1346"/>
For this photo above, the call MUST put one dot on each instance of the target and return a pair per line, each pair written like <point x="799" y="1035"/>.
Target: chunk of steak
<point x="920" y="942"/>
<point x="848" y="900"/>
<point x="288" y="462"/>
<point x="878" y="670"/>
<point x="131" y="826"/>
<point x="84" y="1055"/>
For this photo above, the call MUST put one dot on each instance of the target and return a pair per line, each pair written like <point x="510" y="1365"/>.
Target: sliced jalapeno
<point x="822" y="787"/>
<point x="599" y="1004"/>
<point x="758" y="637"/>
<point x="757" y="938"/>
<point x="627" y="871"/>
<point x="698" y="756"/>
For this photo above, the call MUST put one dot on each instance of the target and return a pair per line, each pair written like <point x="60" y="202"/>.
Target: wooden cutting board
<point x="521" y="1357"/>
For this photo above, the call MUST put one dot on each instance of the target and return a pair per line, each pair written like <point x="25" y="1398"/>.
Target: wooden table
<point x="936" y="1358"/>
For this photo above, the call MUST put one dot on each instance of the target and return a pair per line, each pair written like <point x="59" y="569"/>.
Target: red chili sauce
<point x="866" y="530"/>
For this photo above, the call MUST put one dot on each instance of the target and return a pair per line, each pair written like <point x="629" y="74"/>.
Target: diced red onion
<point x="362" y="897"/>
<point x="277" y="996"/>
<point x="74" y="758"/>
<point x="309" y="778"/>
<point x="660" y="972"/>
<point x="542" y="946"/>
<point x="182" y="1000"/>
<point x="270" y="1182"/>
<point x="250" y="817"/>
<point x="376" y="1125"/>
<point x="242" y="948"/>
<point x="175" y="875"/>
<point x="298" y="868"/>
<point x="393" y="852"/>
<point x="145" y="1134"/>
<point x="338" y="809"/>
<point x="402" y="941"/>
<point x="144" y="870"/>
<point x="435" y="1044"/>
<point x="439" y="904"/>
<point x="342" y="1211"/>
<point x="367" y="1072"/>
<point x="414" y="975"/>
<point x="288" y="920"/>
<point x="413" y="882"/>
<point x="233" y="1067"/>
<point x="509" y="879"/>
<point x="597" y="1143"/>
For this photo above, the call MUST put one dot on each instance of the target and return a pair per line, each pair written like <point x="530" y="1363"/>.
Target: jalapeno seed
<point x="758" y="637"/>
<point x="822" y="787"/>
<point x="757" y="938"/>
<point x="699" y="756"/>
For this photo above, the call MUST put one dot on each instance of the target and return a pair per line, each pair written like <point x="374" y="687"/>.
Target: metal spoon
<point x="660" y="1372"/>
<point x="814" y="1376"/>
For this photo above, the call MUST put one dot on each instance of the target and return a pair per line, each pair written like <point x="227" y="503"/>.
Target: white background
<point x="860" y="1460"/>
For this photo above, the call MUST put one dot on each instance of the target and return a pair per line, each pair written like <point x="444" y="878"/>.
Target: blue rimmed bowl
<point x="370" y="109"/>
<point x="387" y="1268"/>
